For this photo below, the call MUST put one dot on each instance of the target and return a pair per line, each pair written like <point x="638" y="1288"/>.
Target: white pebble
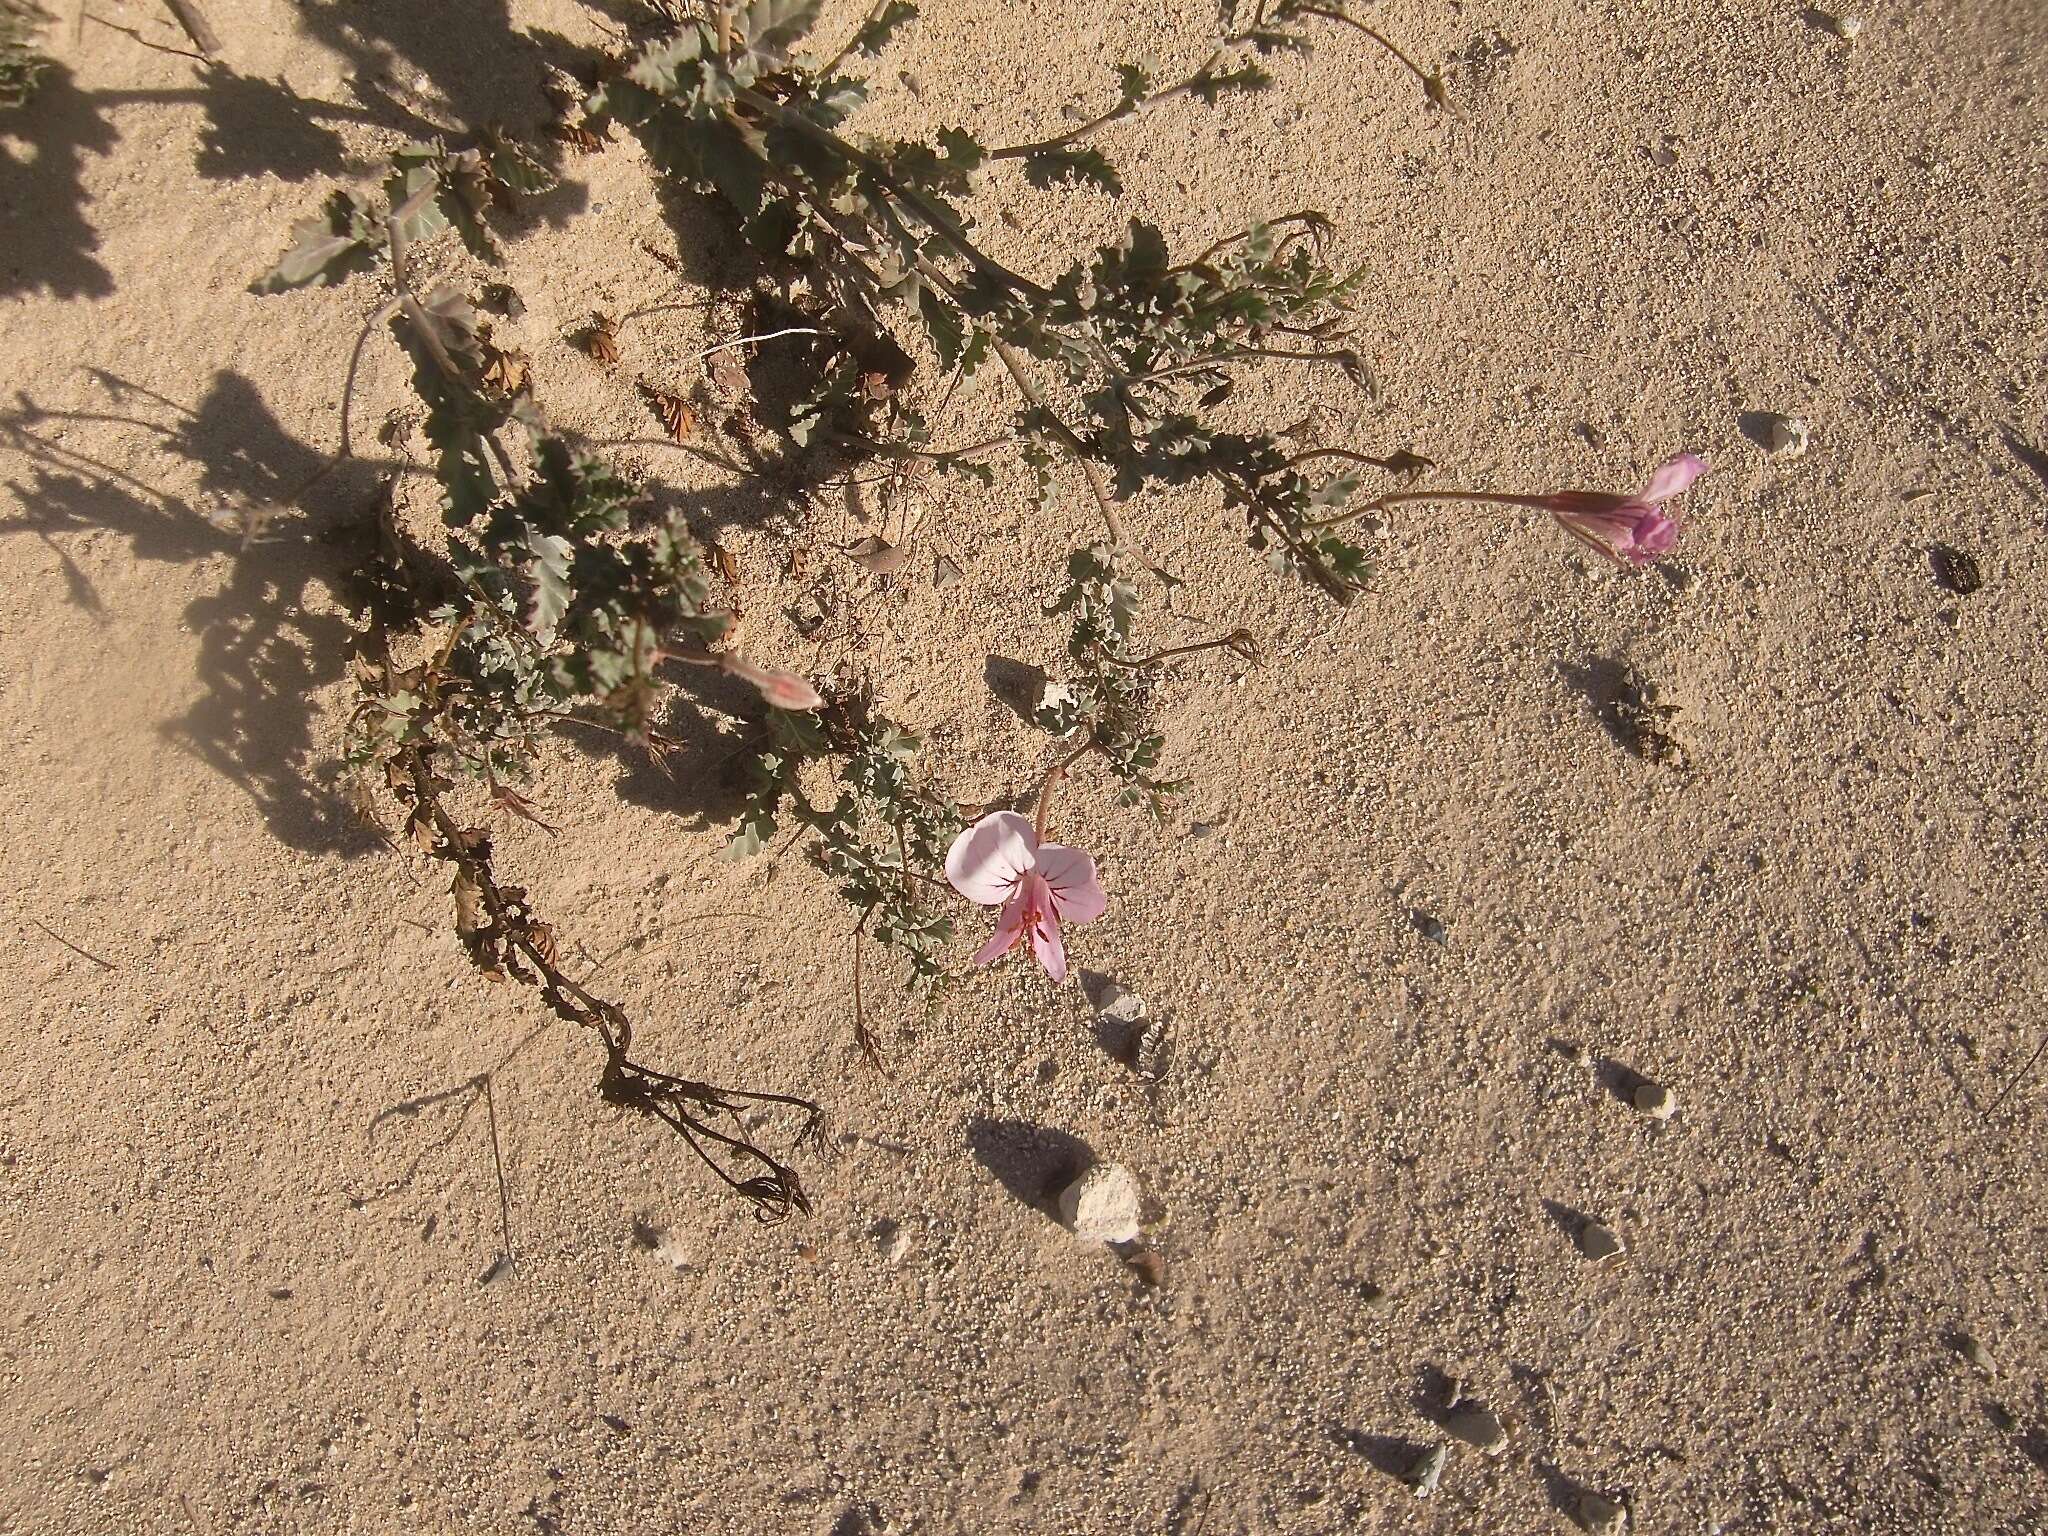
<point x="1102" y="1205"/>
<point x="1656" y="1101"/>
<point x="1598" y="1242"/>
<point x="1785" y="437"/>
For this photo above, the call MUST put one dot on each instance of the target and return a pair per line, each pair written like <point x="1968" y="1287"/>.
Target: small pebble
<point x="1600" y="1515"/>
<point x="1427" y="1471"/>
<point x="1149" y="1265"/>
<point x="1972" y="1349"/>
<point x="1102" y="1205"/>
<point x="892" y="1241"/>
<point x="1597" y="1241"/>
<point x="1785" y="437"/>
<point x="1656" y="1101"/>
<point x="1478" y="1426"/>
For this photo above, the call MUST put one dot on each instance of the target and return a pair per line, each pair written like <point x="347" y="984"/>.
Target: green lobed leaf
<point x="325" y="249"/>
<point x="551" y="587"/>
<point x="771" y="28"/>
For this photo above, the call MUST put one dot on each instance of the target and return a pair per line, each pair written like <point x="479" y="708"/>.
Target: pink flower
<point x="999" y="862"/>
<point x="1631" y="529"/>
<point x="785" y="690"/>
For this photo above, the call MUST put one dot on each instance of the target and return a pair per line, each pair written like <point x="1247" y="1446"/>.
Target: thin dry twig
<point x="105" y="965"/>
<point x="2013" y="1083"/>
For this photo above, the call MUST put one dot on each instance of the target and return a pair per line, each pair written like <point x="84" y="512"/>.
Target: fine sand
<point x="251" y="1232"/>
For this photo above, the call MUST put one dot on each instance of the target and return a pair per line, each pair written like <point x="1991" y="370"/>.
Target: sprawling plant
<point x="554" y="593"/>
<point x="20" y="24"/>
<point x="1115" y="357"/>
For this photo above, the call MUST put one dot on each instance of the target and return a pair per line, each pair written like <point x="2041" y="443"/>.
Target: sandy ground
<point x="247" y="1193"/>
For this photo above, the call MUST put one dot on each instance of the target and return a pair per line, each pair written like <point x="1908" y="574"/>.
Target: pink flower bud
<point x="784" y="690"/>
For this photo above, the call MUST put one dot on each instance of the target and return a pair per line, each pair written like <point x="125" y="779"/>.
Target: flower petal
<point x="1009" y="929"/>
<point x="1655" y="535"/>
<point x="785" y="690"/>
<point x="1045" y="943"/>
<point x="1673" y="476"/>
<point x="985" y="860"/>
<point x="1077" y="896"/>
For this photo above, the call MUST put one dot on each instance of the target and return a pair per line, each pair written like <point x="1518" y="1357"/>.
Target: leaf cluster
<point x="1139" y="345"/>
<point x="882" y="838"/>
<point x="21" y="23"/>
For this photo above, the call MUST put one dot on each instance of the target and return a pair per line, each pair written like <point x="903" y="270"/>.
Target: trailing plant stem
<point x="1380" y="504"/>
<point x="1057" y="772"/>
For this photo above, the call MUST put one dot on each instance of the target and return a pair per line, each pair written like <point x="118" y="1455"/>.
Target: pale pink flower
<point x="999" y="862"/>
<point x="1631" y="529"/>
<point x="785" y="690"/>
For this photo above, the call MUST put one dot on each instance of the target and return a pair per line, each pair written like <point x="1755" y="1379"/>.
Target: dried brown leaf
<point x="676" y="415"/>
<point x="507" y="373"/>
<point x="600" y="339"/>
<point x="878" y="555"/>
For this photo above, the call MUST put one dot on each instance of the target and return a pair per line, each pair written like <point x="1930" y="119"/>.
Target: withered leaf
<point x="600" y="339"/>
<point x="721" y="557"/>
<point x="577" y="134"/>
<point x="676" y="415"/>
<point x="878" y="555"/>
<point x="876" y="386"/>
<point x="507" y="373"/>
<point x="1406" y="463"/>
<point x="661" y="256"/>
<point x="469" y="904"/>
<point x="729" y="373"/>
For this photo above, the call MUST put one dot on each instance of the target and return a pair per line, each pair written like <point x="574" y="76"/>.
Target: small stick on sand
<point x="196" y="26"/>
<point x="1997" y="1103"/>
<point x="105" y="965"/>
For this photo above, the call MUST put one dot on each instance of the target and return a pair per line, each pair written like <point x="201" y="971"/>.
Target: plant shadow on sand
<point x="454" y="53"/>
<point x="1032" y="1162"/>
<point x="275" y="633"/>
<point x="267" y="640"/>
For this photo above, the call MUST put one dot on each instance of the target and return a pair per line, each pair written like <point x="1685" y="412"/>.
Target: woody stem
<point x="1057" y="772"/>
